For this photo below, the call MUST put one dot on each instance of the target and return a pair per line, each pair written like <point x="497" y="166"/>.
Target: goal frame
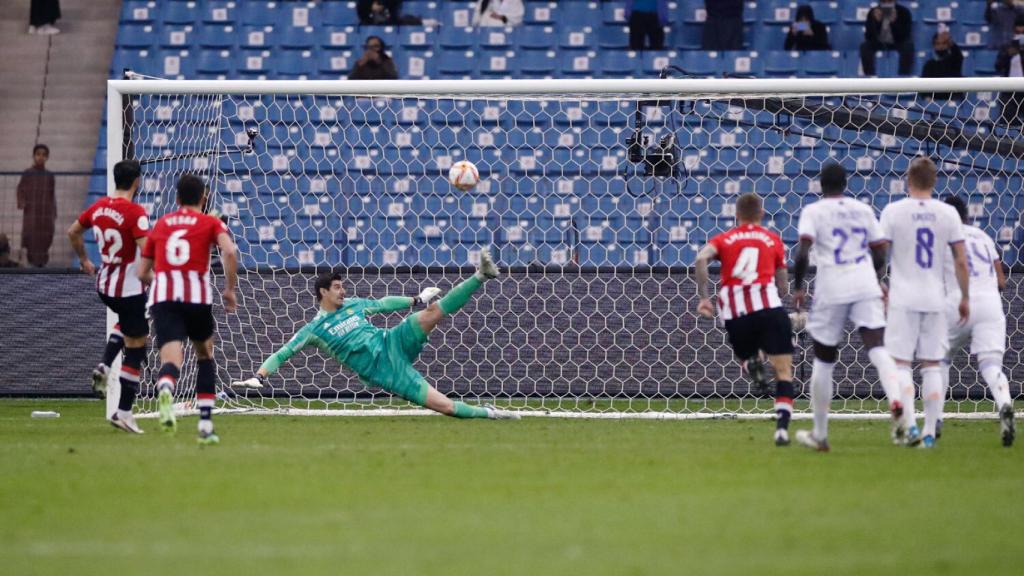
<point x="120" y="90"/>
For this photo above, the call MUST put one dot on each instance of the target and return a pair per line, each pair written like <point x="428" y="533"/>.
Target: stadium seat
<point x="542" y="13"/>
<point x="618" y="64"/>
<point x="572" y="37"/>
<point x="575" y="64"/>
<point x="297" y="38"/>
<point x="456" y="38"/>
<point x="261" y="37"/>
<point x="177" y="36"/>
<point x="335" y="37"/>
<point x="218" y="12"/>
<point x="139" y="12"/>
<point x="336" y="13"/>
<point x="537" y="64"/>
<point x="260" y="13"/>
<point x="821" y="63"/>
<point x="614" y="13"/>
<point x="334" y="64"/>
<point x="217" y="36"/>
<point x="535" y="38"/>
<point x="179" y="13"/>
<point x="135" y="35"/>
<point x="494" y="39"/>
<point x="457" y="14"/>
<point x="417" y="38"/>
<point x="742" y="63"/>
<point x="613" y="38"/>
<point x="781" y="64"/>
<point x="706" y="64"/>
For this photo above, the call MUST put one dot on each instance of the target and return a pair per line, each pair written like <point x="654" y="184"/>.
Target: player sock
<point x="167" y="377"/>
<point x="931" y="393"/>
<point x="821" y="396"/>
<point x="130" y="368"/>
<point x="888" y="375"/>
<point x="206" y="388"/>
<point x="463" y="410"/>
<point x="114" y="345"/>
<point x="906" y="374"/>
<point x="991" y="368"/>
<point x="783" y="403"/>
<point x="457" y="297"/>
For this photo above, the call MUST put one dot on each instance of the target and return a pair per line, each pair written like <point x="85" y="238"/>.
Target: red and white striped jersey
<point x="750" y="255"/>
<point x="179" y="246"/>
<point x="117" y="224"/>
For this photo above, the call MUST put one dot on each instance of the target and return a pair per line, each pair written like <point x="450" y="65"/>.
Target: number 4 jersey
<point x="117" y="224"/>
<point x="750" y="255"/>
<point x="179" y="246"/>
<point x="920" y="233"/>
<point x="841" y="230"/>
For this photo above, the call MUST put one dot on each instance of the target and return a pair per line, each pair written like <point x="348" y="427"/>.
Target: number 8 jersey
<point x="117" y="224"/>
<point x="920" y="233"/>
<point x="750" y="255"/>
<point x="179" y="246"/>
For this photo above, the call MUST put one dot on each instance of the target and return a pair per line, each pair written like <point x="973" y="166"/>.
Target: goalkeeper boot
<point x="165" y="403"/>
<point x="208" y="439"/>
<point x="1006" y="425"/>
<point x="781" y="437"/>
<point x="493" y="413"/>
<point x="99" y="380"/>
<point x="806" y="438"/>
<point x="487" y="266"/>
<point x="126" y="423"/>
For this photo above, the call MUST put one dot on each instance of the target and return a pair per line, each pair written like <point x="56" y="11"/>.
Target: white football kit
<point x="845" y="287"/>
<point x="986" y="327"/>
<point x="920" y="233"/>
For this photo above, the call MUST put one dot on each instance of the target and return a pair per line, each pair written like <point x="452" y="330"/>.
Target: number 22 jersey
<point x="920" y="233"/>
<point x="179" y="246"/>
<point x="117" y="224"/>
<point x="841" y="230"/>
<point x="750" y="255"/>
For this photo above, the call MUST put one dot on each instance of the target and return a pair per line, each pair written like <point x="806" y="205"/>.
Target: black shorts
<point x="131" y="314"/>
<point x="176" y="321"/>
<point x="769" y="331"/>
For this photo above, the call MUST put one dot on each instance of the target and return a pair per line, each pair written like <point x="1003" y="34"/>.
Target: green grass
<point x="429" y="495"/>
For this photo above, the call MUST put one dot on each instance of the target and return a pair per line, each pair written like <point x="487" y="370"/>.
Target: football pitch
<point x="431" y="495"/>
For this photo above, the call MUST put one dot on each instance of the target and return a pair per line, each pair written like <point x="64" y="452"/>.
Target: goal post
<point x="595" y="196"/>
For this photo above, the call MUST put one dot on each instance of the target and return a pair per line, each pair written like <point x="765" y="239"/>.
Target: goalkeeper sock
<point x="906" y="374"/>
<point x="783" y="403"/>
<point x="931" y="394"/>
<point x="821" y="396"/>
<point x="130" y="369"/>
<point x="888" y="375"/>
<point x="457" y="297"/>
<point x="206" y="386"/>
<point x="463" y="410"/>
<point x="991" y="368"/>
<point x="115" y="343"/>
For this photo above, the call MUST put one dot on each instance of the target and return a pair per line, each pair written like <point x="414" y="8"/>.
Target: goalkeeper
<point x="383" y="357"/>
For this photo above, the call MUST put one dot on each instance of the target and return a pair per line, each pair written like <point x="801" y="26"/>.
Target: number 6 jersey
<point x="841" y="230"/>
<point x="920" y="233"/>
<point x="179" y="246"/>
<point x="750" y="255"/>
<point x="117" y="224"/>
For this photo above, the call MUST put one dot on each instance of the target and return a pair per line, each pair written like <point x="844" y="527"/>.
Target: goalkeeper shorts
<point x="394" y="371"/>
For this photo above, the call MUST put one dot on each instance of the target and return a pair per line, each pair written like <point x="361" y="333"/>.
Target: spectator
<point x="375" y="64"/>
<point x="888" y="28"/>
<point x="499" y="13"/>
<point x="42" y="16"/>
<point x="5" y="253"/>
<point x="723" y="29"/>
<point x="1008" y="63"/>
<point x="946" y="62"/>
<point x="1001" y="17"/>
<point x="37" y="199"/>
<point x="378" y="12"/>
<point x="647" y="18"/>
<point x="806" y="33"/>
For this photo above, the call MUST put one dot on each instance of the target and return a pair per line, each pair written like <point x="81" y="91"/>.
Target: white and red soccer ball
<point x="463" y="175"/>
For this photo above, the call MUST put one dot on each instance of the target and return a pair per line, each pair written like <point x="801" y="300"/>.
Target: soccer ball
<point x="463" y="175"/>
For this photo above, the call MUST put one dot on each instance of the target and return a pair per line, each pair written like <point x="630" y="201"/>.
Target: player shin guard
<point x="167" y="377"/>
<point x="991" y="367"/>
<point x="906" y="374"/>
<point x="821" y="396"/>
<point x="783" y="403"/>
<point x="931" y="394"/>
<point x="130" y="369"/>
<point x="115" y="343"/>
<point x="457" y="297"/>
<point x="206" y="388"/>
<point x="463" y="410"/>
<point x="888" y="374"/>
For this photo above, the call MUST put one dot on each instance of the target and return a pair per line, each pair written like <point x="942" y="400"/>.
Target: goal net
<point x="595" y="197"/>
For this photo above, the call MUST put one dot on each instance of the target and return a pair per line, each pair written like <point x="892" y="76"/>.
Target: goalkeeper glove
<point x="256" y="381"/>
<point x="426" y="296"/>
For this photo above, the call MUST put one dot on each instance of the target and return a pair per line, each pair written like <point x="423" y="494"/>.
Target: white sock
<point x="205" y="426"/>
<point x="165" y="383"/>
<point x="123" y="414"/>
<point x="888" y="375"/>
<point x="991" y="367"/>
<point x="821" y="396"/>
<point x="906" y="380"/>
<point x="931" y="394"/>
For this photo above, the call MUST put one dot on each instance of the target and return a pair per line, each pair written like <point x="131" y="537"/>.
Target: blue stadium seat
<point x="856" y="12"/>
<point x="335" y="37"/>
<point x="214" y="63"/>
<point x="541" y="13"/>
<point x="179" y="13"/>
<point x="258" y="65"/>
<point x="293" y="65"/>
<point x="742" y="63"/>
<point x="576" y="37"/>
<point x="619" y="64"/>
<point x="493" y="38"/>
<point x="781" y="64"/>
<point x="535" y="38"/>
<point x="261" y="37"/>
<point x="614" y="12"/>
<point x="455" y="64"/>
<point x="135" y="36"/>
<point x="139" y="11"/>
<point x="334" y="64"/>
<point x="821" y="63"/>
<point x="297" y="38"/>
<point x="177" y="36"/>
<point x="845" y="36"/>
<point x="261" y="13"/>
<point x="217" y="36"/>
<point x="537" y="64"/>
<point x="575" y="64"/>
<point x="175" y="64"/>
<point x="613" y="38"/>
<point x="339" y="13"/>
<point x="451" y="38"/>
<point x="416" y="65"/>
<point x="417" y="38"/>
<point x="707" y="64"/>
<point x="457" y="14"/>
<point x="218" y="12"/>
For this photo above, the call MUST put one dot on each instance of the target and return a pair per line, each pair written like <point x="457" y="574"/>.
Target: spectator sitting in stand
<point x="37" y="198"/>
<point x="723" y="28"/>
<point x="375" y="64"/>
<point x="888" y="28"/>
<point x="379" y="12"/>
<point x="946" y="62"/>
<point x="1001" y="17"/>
<point x="647" y="19"/>
<point x="5" y="253"/>
<point x="806" y="33"/>
<point x="1009" y="63"/>
<point x="499" y="13"/>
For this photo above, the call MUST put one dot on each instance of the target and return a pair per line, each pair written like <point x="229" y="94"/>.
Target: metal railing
<point x="70" y="190"/>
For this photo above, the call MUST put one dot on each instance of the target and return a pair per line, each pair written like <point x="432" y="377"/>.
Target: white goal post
<point x="596" y="316"/>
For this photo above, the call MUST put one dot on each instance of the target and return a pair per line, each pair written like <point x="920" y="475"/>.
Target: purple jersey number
<point x="844" y="237"/>
<point x="925" y="249"/>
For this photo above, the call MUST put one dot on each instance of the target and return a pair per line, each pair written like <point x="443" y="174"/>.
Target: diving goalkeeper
<point x="383" y="357"/>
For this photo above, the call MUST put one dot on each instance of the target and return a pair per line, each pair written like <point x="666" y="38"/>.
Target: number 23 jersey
<point x="920" y="233"/>
<point x="841" y="231"/>
<point x="179" y="246"/>
<point x="750" y="255"/>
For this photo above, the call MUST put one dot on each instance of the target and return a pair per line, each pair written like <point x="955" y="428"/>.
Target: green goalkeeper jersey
<point x="344" y="334"/>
